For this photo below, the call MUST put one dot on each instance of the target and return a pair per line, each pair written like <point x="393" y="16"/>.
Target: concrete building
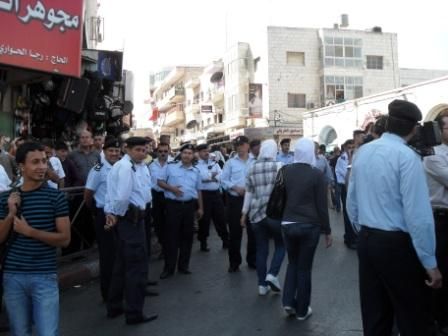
<point x="169" y="96"/>
<point x="310" y="68"/>
<point x="332" y="125"/>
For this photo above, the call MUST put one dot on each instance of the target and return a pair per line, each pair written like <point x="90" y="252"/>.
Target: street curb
<point x="78" y="273"/>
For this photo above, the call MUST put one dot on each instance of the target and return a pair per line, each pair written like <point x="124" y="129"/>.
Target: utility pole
<point x="277" y="119"/>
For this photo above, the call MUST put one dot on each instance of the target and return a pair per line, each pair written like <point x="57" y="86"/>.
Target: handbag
<point x="277" y="199"/>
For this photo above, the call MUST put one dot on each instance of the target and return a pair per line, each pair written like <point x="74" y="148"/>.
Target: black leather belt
<point x="384" y="233"/>
<point x="210" y="191"/>
<point x="180" y="202"/>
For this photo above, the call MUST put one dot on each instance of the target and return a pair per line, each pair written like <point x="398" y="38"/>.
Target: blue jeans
<point x="32" y="299"/>
<point x="264" y="230"/>
<point x="301" y="241"/>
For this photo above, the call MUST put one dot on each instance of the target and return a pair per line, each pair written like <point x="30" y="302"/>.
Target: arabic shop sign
<point x="42" y="35"/>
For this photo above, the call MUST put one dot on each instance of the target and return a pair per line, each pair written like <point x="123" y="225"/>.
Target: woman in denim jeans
<point x="305" y="216"/>
<point x="259" y="185"/>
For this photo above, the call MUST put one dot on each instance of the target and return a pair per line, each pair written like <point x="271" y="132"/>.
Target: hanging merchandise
<point x="116" y="110"/>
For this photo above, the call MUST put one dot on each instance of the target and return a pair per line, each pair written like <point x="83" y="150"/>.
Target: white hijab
<point x="268" y="150"/>
<point x="304" y="152"/>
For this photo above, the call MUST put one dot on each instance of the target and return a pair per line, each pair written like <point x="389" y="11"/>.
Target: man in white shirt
<point x="56" y="173"/>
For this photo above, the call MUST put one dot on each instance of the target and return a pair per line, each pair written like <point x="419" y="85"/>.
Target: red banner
<point x="43" y="35"/>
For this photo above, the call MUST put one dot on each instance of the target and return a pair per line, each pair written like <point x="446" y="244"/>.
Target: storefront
<point x="49" y="86"/>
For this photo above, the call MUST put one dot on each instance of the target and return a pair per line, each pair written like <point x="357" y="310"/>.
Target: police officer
<point x="181" y="185"/>
<point x="96" y="188"/>
<point x="158" y="171"/>
<point x="388" y="197"/>
<point x="285" y="156"/>
<point x="233" y="179"/>
<point x="128" y="192"/>
<point x="213" y="203"/>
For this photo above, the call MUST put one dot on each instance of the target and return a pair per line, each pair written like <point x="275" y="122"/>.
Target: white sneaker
<point x="273" y="283"/>
<point x="290" y="311"/>
<point x="263" y="290"/>
<point x="308" y="314"/>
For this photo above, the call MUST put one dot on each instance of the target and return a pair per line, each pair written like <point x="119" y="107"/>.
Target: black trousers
<point x="349" y="235"/>
<point x="392" y="284"/>
<point x="130" y="268"/>
<point x="213" y="210"/>
<point x="234" y="207"/>
<point x="148" y="228"/>
<point x="440" y="296"/>
<point x="159" y="216"/>
<point x="178" y="234"/>
<point x="106" y="250"/>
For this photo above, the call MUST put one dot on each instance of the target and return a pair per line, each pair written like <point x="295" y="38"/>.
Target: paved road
<point x="214" y="302"/>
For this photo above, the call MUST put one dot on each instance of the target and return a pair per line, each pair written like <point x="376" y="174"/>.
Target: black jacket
<point x="306" y="196"/>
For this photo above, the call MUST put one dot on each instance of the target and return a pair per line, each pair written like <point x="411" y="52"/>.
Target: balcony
<point x="192" y="115"/>
<point x="218" y="93"/>
<point x="174" y="116"/>
<point x="174" y="95"/>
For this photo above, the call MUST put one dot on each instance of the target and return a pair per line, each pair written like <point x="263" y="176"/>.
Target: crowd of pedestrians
<point x="133" y="190"/>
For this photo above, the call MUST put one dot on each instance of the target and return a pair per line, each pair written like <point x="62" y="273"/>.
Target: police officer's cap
<point x="284" y="141"/>
<point x="187" y="146"/>
<point x="112" y="143"/>
<point x="201" y="147"/>
<point x="241" y="140"/>
<point x="136" y="141"/>
<point x="404" y="110"/>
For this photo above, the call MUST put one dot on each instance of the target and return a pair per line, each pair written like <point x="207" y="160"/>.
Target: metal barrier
<point x="86" y="247"/>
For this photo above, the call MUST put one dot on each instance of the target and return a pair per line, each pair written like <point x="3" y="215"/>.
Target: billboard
<point x="255" y="100"/>
<point x="43" y="35"/>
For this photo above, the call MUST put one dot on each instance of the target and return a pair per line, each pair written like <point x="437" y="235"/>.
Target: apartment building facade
<point x="310" y="68"/>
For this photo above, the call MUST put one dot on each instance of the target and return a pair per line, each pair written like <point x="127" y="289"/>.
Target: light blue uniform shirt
<point x="323" y="165"/>
<point x="158" y="172"/>
<point x="188" y="179"/>
<point x="388" y="191"/>
<point x="234" y="173"/>
<point x="97" y="182"/>
<point x="206" y="169"/>
<point x="285" y="158"/>
<point x="127" y="182"/>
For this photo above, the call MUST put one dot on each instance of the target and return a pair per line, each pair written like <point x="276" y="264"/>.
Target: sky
<point x="154" y="34"/>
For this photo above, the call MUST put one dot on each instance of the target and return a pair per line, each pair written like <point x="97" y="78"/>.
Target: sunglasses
<point x="160" y="151"/>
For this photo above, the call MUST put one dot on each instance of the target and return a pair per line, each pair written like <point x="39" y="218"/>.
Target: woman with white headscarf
<point x="305" y="216"/>
<point x="259" y="184"/>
